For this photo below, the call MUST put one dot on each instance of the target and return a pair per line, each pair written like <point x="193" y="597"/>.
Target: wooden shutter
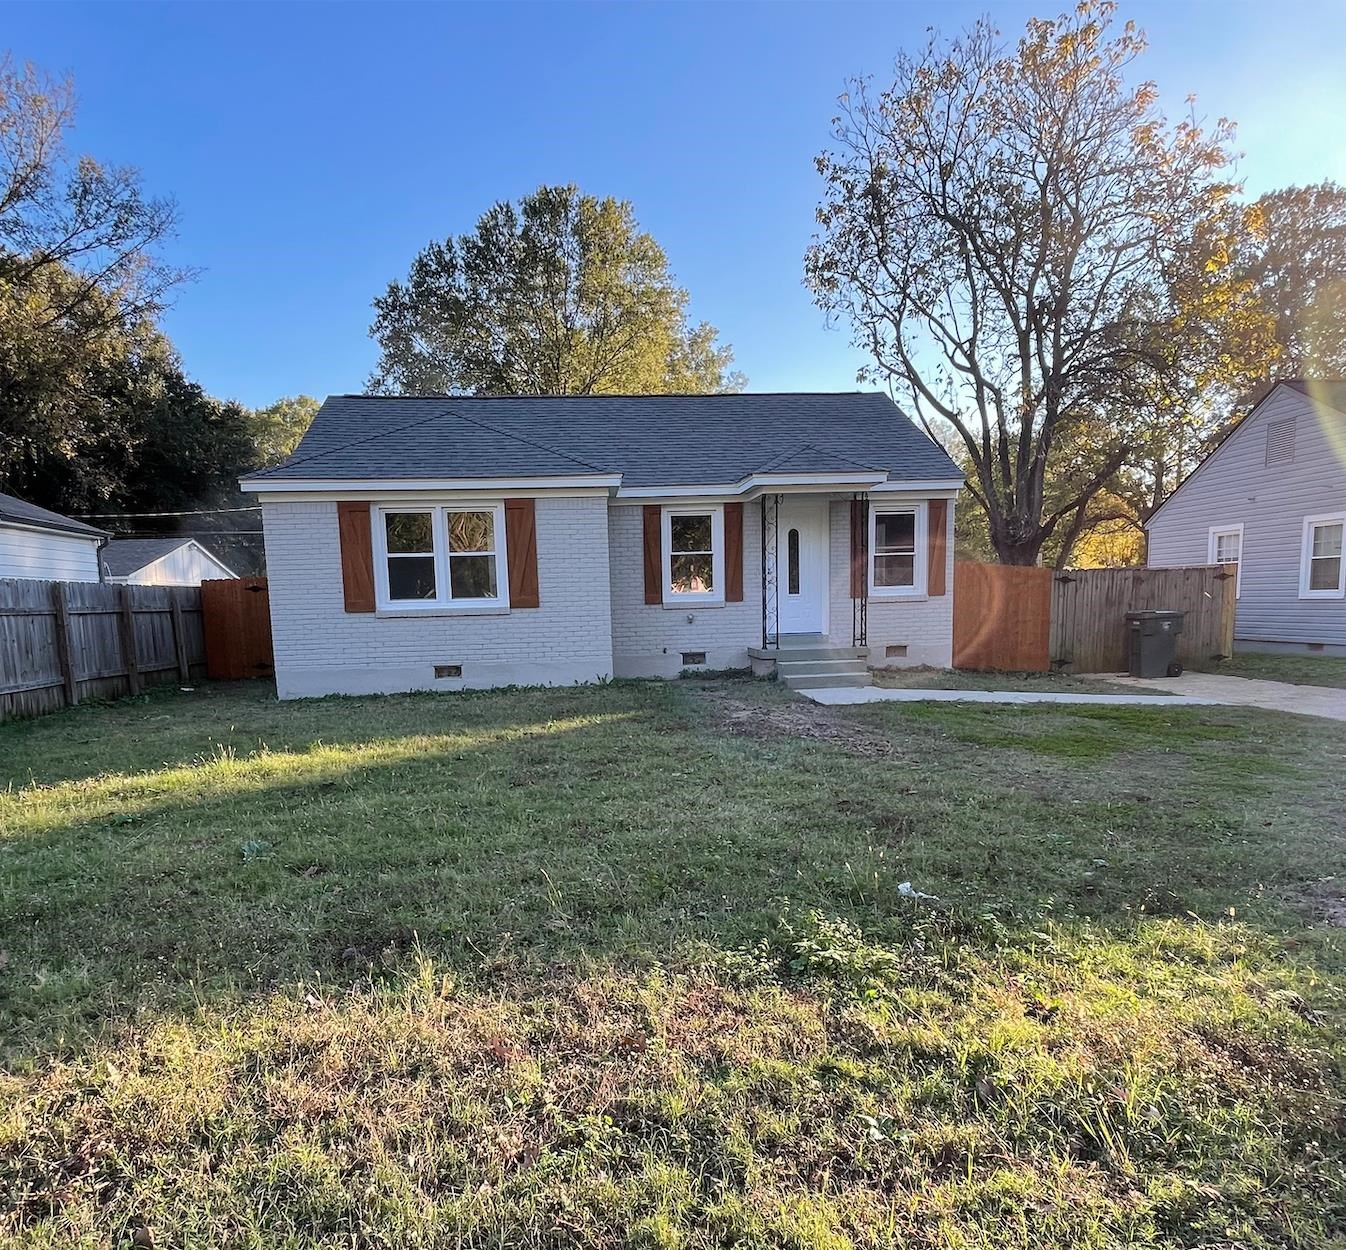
<point x="859" y="556"/>
<point x="357" y="556"/>
<point x="937" y="545"/>
<point x="654" y="560"/>
<point x="733" y="553"/>
<point x="521" y="548"/>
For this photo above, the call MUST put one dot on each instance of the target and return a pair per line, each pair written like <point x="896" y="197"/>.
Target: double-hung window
<point x="440" y="557"/>
<point x="1226" y="547"/>
<point x="897" y="550"/>
<point x="693" y="554"/>
<point x="1322" y="569"/>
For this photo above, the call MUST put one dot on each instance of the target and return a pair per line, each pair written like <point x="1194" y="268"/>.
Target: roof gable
<point x="647" y="440"/>
<point x="1330" y="393"/>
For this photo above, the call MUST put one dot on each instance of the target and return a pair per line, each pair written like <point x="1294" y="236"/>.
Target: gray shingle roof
<point x="123" y="556"/>
<point x="22" y="513"/>
<point x="651" y="440"/>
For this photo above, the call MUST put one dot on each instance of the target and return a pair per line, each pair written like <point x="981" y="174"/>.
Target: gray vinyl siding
<point x="1236" y="486"/>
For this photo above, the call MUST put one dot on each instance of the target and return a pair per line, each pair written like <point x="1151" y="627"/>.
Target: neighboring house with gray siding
<point x="45" y="545"/>
<point x="161" y="562"/>
<point x="1272" y="499"/>
<point x="448" y="542"/>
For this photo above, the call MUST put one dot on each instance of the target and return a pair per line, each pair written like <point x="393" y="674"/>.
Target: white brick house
<point x="450" y="542"/>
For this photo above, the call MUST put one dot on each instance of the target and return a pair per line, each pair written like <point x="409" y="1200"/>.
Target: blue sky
<point x="313" y="149"/>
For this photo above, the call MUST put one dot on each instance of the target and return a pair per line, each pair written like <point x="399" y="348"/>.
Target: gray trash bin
<point x="1152" y="642"/>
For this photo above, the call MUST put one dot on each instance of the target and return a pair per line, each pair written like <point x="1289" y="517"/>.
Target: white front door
<point x="801" y="564"/>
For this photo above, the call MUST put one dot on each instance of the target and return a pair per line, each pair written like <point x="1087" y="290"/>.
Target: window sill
<point x="442" y="609"/>
<point x="1321" y="594"/>
<point x="689" y="604"/>
<point x="898" y="596"/>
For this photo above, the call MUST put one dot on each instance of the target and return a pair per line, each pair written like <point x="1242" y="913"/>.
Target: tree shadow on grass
<point x="509" y="833"/>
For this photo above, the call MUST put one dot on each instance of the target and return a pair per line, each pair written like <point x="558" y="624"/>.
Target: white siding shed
<point x="40" y="544"/>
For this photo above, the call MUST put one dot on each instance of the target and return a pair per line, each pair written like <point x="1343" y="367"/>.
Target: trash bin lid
<point x="1154" y="614"/>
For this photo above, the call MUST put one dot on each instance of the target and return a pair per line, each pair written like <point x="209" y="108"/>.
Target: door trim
<point x="812" y="516"/>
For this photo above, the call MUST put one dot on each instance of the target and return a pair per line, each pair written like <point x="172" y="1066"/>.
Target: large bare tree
<point x="1017" y="236"/>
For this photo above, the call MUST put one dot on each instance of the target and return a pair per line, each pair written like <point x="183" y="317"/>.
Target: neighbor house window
<point x="1322" y="571"/>
<point x="897" y="550"/>
<point x="1226" y="547"/>
<point x="693" y="550"/>
<point x="440" y="557"/>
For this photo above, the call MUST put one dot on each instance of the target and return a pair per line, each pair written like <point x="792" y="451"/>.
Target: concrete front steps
<point x="811" y="662"/>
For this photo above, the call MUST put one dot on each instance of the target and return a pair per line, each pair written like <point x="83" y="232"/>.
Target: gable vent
<point x="1281" y="441"/>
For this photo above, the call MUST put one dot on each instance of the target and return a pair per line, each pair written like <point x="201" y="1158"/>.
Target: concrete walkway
<point x="883" y="694"/>
<point x="1274" y="696"/>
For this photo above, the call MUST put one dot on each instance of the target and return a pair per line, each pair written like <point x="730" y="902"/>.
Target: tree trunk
<point x="1025" y="552"/>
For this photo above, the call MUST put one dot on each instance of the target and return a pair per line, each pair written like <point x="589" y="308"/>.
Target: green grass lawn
<point x="631" y="965"/>
<point x="1300" y="670"/>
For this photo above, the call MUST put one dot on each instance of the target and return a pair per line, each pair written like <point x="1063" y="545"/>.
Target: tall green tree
<point x="82" y="277"/>
<point x="1294" y="257"/>
<point x="1010" y="230"/>
<point x="561" y="294"/>
<point x="277" y="428"/>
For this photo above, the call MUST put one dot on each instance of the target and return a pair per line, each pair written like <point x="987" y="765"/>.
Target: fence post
<point x="179" y="635"/>
<point x="128" y="638"/>
<point x="64" y="649"/>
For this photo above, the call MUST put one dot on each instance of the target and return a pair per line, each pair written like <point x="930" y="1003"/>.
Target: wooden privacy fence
<point x="1001" y="617"/>
<point x="1031" y="619"/>
<point x="237" y="615"/>
<point x="1089" y="608"/>
<point x="61" y="642"/>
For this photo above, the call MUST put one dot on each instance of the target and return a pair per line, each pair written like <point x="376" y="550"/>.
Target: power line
<point x="113" y="516"/>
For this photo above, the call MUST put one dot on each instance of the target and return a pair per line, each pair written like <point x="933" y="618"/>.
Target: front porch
<point x="814" y="612"/>
<point x="812" y="662"/>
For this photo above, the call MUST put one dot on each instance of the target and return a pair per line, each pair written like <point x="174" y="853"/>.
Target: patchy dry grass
<point x="629" y="966"/>
<point x="922" y="677"/>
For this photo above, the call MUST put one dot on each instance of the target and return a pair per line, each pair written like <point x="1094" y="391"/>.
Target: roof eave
<point x="74" y="529"/>
<point x="362" y="486"/>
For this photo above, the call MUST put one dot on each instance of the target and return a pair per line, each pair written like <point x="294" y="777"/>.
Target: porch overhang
<point x="755" y="485"/>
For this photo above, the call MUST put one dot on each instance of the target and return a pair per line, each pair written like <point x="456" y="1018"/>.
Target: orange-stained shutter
<point x="937" y="545"/>
<point x="357" y="556"/>
<point x="521" y="548"/>
<point x="859" y="571"/>
<point x="654" y="561"/>
<point x="733" y="553"/>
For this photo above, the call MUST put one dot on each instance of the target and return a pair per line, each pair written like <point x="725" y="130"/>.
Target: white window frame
<point x="439" y="532"/>
<point x="1215" y="533"/>
<point x="1306" y="555"/>
<point x="679" y="598"/>
<point x="920" y="571"/>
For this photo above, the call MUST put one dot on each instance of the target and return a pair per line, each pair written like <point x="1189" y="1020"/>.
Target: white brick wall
<point x="647" y="638"/>
<point x="923" y="626"/>
<point x="587" y="627"/>
<point x="322" y="649"/>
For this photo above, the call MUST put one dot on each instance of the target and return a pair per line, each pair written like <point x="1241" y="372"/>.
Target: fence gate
<point x="236" y="620"/>
<point x="1001" y="617"/>
<point x="1089" y="608"/>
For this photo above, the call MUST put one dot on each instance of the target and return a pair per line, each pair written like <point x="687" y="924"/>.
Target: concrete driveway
<point x="1275" y="696"/>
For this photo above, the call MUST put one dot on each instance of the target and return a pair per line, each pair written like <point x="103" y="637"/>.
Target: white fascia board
<point x="945" y="488"/>
<point x="375" y="487"/>
<point x="754" y="484"/>
<point x="36" y="527"/>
